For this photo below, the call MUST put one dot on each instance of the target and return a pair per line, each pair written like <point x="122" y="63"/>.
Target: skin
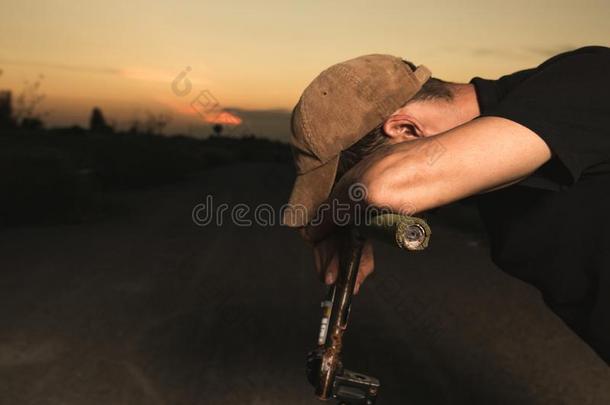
<point x="403" y="177"/>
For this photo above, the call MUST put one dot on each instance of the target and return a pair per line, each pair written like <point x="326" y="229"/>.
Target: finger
<point x="332" y="269"/>
<point x="305" y="236"/>
<point x="326" y="260"/>
<point x="367" y="265"/>
<point x="318" y="230"/>
<point x="317" y="258"/>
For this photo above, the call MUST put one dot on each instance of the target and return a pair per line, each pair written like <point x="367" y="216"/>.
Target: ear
<point x="402" y="127"/>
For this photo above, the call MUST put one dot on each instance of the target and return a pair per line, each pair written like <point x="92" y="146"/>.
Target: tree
<point x="97" y="122"/>
<point x="32" y="123"/>
<point x="27" y="105"/>
<point x="217" y="128"/>
<point x="6" y="110"/>
<point x="156" y="123"/>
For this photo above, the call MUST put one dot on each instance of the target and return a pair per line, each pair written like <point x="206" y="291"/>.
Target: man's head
<point x="425" y="114"/>
<point x="351" y="109"/>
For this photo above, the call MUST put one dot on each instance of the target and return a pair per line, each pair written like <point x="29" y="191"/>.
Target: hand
<point x="326" y="257"/>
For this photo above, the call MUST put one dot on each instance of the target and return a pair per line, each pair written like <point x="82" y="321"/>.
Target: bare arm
<point x="482" y="155"/>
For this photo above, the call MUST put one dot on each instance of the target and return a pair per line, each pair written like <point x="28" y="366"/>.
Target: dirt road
<point x="147" y="308"/>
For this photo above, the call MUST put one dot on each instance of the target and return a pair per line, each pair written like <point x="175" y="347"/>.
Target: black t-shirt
<point x="552" y="229"/>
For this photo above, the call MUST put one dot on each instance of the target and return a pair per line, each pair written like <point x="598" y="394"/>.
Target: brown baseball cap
<point x="340" y="106"/>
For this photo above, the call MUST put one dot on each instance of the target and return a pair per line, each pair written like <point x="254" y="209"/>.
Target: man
<point x="533" y="146"/>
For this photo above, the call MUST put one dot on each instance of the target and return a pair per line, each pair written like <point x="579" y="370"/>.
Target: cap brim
<point x="309" y="191"/>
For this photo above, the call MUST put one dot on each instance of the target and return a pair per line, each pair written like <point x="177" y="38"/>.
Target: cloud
<point x="550" y="50"/>
<point x="224" y="118"/>
<point x="131" y="73"/>
<point x="271" y="123"/>
<point x="498" y="52"/>
<point x="159" y="76"/>
<point x="521" y="52"/>
<point x="70" y="68"/>
<point x="485" y="52"/>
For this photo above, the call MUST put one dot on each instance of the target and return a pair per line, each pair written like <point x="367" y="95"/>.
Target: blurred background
<point x="118" y="118"/>
<point x="256" y="59"/>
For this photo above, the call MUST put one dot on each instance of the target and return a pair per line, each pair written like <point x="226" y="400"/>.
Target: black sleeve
<point x="566" y="101"/>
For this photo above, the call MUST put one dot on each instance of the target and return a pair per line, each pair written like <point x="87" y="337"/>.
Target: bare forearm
<point x="484" y="154"/>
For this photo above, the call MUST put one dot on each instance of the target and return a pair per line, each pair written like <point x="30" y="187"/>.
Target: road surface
<point x="148" y="308"/>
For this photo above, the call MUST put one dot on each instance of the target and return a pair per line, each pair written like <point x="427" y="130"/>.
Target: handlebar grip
<point x="409" y="233"/>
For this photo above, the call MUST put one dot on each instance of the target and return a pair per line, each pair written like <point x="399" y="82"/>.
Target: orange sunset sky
<point x="256" y="57"/>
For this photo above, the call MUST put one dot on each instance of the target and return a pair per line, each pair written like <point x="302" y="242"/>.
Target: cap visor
<point x="309" y="191"/>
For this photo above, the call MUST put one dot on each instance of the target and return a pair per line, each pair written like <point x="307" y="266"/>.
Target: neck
<point x="464" y="104"/>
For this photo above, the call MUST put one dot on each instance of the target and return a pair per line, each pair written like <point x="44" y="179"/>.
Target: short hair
<point x="365" y="146"/>
<point x="432" y="89"/>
